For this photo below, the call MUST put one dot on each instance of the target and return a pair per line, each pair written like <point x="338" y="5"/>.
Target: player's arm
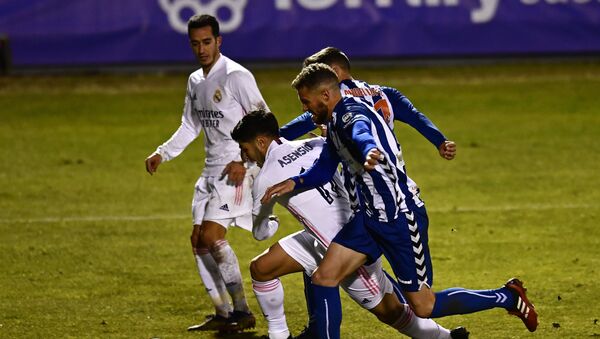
<point x="189" y="130"/>
<point x="265" y="224"/>
<point x="406" y="112"/>
<point x="296" y="128"/>
<point x="244" y="90"/>
<point x="359" y="129"/>
<point x="318" y="174"/>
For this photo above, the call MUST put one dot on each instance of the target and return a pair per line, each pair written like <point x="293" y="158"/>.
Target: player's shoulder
<point x="354" y="106"/>
<point x="391" y="91"/>
<point x="234" y="69"/>
<point x="196" y="76"/>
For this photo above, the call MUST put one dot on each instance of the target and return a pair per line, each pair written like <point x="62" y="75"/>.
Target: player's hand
<point x="279" y="189"/>
<point x="448" y="150"/>
<point x="323" y="129"/>
<point x="152" y="163"/>
<point x="235" y="172"/>
<point x="374" y="157"/>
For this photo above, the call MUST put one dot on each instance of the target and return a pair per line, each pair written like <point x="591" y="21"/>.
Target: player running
<point x="218" y="95"/>
<point x="394" y="221"/>
<point x="388" y="102"/>
<point x="323" y="211"/>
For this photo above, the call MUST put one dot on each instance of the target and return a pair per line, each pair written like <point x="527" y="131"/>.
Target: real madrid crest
<point x="217" y="96"/>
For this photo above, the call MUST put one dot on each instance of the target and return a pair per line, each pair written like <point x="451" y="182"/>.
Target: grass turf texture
<point x="92" y="246"/>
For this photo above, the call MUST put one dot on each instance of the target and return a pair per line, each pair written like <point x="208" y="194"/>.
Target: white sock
<point x="269" y="295"/>
<point x="230" y="271"/>
<point x="411" y="325"/>
<point x="211" y="278"/>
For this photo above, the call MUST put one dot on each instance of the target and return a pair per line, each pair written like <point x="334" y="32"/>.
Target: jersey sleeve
<point x="356" y="125"/>
<point x="264" y="223"/>
<point x="189" y="130"/>
<point x="298" y="127"/>
<point x="363" y="137"/>
<point x="245" y="91"/>
<point x="406" y="112"/>
<point x="321" y="171"/>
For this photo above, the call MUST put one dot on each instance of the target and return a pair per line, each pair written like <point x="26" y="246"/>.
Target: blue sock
<point x="308" y="295"/>
<point x="462" y="301"/>
<point x="328" y="311"/>
<point x="397" y="289"/>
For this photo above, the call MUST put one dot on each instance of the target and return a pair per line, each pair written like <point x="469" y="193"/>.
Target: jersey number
<point x="322" y="190"/>
<point x="382" y="107"/>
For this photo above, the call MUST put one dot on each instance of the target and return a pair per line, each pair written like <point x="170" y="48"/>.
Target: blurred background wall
<point x="92" y="33"/>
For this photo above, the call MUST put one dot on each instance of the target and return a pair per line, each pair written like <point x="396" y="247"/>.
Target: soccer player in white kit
<point x="323" y="211"/>
<point x="218" y="95"/>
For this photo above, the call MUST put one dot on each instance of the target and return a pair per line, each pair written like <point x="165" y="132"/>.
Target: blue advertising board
<point x="59" y="32"/>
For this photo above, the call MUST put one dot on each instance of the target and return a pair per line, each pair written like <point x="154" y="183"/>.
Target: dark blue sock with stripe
<point x="308" y="295"/>
<point x="462" y="301"/>
<point x="328" y="311"/>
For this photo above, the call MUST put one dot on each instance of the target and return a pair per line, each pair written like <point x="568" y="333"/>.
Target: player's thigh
<point x="368" y="286"/>
<point x="273" y="263"/>
<point x="304" y="249"/>
<point x="209" y="233"/>
<point x="339" y="262"/>
<point x="404" y="244"/>
<point x="216" y="200"/>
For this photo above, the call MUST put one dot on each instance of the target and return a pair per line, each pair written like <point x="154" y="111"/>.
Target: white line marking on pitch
<point x="532" y="207"/>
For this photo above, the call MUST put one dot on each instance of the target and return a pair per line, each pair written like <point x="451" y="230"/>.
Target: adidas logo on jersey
<point x="224" y="208"/>
<point x="365" y="300"/>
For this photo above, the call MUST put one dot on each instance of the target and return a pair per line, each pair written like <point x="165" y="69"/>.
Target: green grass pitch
<point x="93" y="247"/>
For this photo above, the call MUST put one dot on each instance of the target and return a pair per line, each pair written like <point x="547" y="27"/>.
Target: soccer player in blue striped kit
<point x="394" y="217"/>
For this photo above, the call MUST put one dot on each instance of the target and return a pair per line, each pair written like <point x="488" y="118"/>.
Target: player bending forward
<point x="323" y="211"/>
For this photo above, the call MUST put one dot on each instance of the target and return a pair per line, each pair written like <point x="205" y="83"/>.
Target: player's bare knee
<point x="207" y="240"/>
<point x="422" y="309"/>
<point x="323" y="278"/>
<point x="259" y="271"/>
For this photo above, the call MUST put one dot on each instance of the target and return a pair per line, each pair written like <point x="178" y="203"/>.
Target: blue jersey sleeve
<point x="321" y="171"/>
<point x="298" y="127"/>
<point x="406" y="112"/>
<point x="357" y="127"/>
<point x="362" y="137"/>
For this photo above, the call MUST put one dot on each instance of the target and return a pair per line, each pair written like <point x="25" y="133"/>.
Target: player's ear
<point x="261" y="142"/>
<point x="325" y="94"/>
<point x="219" y="40"/>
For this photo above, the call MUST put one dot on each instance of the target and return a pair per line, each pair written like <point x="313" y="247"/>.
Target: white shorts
<point x="367" y="286"/>
<point x="225" y="204"/>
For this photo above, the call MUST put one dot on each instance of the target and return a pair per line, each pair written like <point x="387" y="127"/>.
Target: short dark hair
<point x="329" y="56"/>
<point x="203" y="20"/>
<point x="315" y="74"/>
<point x="255" y="123"/>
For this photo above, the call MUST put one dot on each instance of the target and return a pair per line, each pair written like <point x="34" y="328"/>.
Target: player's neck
<point x="207" y="68"/>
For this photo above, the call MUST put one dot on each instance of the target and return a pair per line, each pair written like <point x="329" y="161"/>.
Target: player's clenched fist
<point x="152" y="163"/>
<point x="448" y="150"/>
<point x="276" y="190"/>
<point x="373" y="158"/>
<point x="235" y="172"/>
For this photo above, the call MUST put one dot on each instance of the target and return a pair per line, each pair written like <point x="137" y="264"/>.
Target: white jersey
<point x="323" y="210"/>
<point x="215" y="103"/>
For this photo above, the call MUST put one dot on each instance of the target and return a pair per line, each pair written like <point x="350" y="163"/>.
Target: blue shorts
<point x="355" y="236"/>
<point x="405" y="244"/>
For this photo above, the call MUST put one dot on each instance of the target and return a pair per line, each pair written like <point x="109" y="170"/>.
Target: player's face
<point x="205" y="46"/>
<point x="252" y="151"/>
<point x="314" y="102"/>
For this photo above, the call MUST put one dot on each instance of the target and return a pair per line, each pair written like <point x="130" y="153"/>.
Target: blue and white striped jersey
<point x="387" y="190"/>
